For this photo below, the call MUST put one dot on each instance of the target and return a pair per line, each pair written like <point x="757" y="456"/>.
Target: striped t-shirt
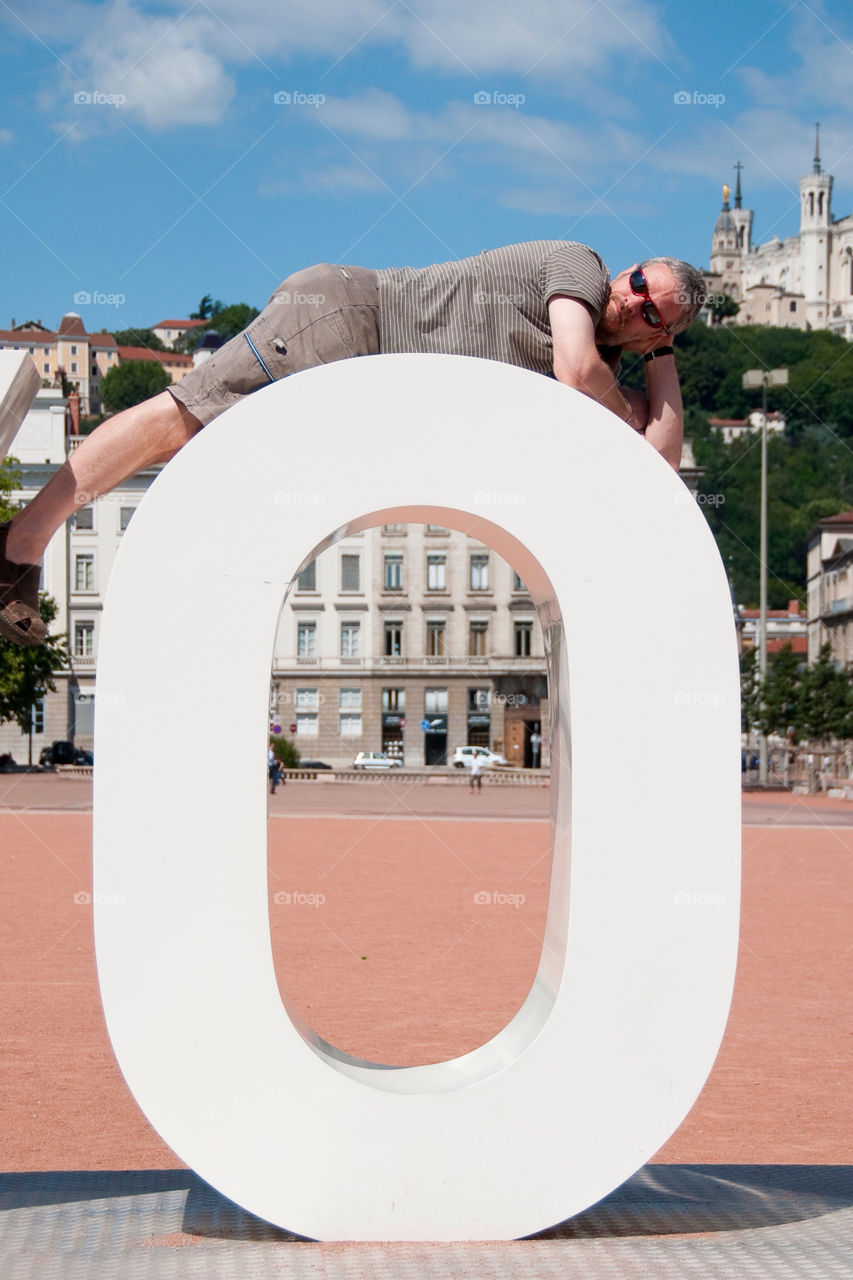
<point x="494" y="305"/>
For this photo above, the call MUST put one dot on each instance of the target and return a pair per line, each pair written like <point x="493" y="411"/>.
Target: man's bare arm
<point x="665" y="428"/>
<point x="576" y="360"/>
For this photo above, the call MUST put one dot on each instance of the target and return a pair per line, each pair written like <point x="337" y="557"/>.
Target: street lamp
<point x="752" y="380"/>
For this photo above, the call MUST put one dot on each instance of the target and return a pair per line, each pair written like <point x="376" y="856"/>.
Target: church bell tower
<point x="815" y="239"/>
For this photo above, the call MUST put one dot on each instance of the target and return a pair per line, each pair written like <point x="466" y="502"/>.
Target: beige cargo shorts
<point x="315" y="317"/>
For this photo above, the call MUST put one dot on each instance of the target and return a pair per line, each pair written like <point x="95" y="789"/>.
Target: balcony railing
<point x="459" y="662"/>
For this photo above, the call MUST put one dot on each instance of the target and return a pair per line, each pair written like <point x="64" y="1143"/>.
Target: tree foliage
<point x="26" y="672"/>
<point x="285" y="751"/>
<point x="10" y="482"/>
<point x="721" y="306"/>
<point x="810" y="467"/>
<point x="139" y="338"/>
<point x="132" y="382"/>
<point x="797" y="702"/>
<point x="227" y="321"/>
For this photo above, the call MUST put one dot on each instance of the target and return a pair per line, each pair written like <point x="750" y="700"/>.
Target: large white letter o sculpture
<point x="620" y="1029"/>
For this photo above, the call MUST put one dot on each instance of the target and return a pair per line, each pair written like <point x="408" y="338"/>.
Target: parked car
<point x="312" y="764"/>
<point x="376" y="760"/>
<point x="64" y="752"/>
<point x="463" y="756"/>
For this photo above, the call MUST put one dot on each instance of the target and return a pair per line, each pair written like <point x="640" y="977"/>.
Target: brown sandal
<point x="20" y="620"/>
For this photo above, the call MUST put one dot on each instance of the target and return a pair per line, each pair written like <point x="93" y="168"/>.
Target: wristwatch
<point x="653" y="355"/>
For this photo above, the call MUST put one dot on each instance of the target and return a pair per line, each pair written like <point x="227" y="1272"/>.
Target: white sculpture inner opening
<point x="621" y="1027"/>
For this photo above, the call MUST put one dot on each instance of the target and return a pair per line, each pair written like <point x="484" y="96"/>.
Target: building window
<point x="435" y="639"/>
<point x="393" y="699"/>
<point x="436" y="573"/>
<point x="46" y="367"/>
<point x="306" y="640"/>
<point x="125" y="515"/>
<point x="393" y="639"/>
<point x="349" y="701"/>
<point x="435" y="700"/>
<point x="73" y="366"/>
<point x="306" y="699"/>
<point x="437" y="529"/>
<point x="393" y="572"/>
<point x="350" y="643"/>
<point x="477" y="633"/>
<point x="84" y="573"/>
<point x="394" y="529"/>
<point x="85" y="519"/>
<point x="350" y="573"/>
<point x="46" y="351"/>
<point x="517" y="584"/>
<point x="84" y="639"/>
<point x="307" y="724"/>
<point x="523" y="632"/>
<point x="307" y="580"/>
<point x="479" y="699"/>
<point x="480" y="571"/>
<point x="37" y="716"/>
<point x="792" y="306"/>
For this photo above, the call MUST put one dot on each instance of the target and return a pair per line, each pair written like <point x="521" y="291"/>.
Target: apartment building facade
<point x="413" y="640"/>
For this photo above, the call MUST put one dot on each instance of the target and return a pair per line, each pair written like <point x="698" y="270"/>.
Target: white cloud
<point x="823" y="73"/>
<point x="6" y="136"/>
<point x="373" y="114"/>
<point x="175" y="68"/>
<point x="160" y="68"/>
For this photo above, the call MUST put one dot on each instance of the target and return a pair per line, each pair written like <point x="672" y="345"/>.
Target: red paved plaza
<point x="398" y="963"/>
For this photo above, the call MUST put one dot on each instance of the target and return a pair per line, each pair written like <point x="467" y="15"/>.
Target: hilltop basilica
<point x="802" y="282"/>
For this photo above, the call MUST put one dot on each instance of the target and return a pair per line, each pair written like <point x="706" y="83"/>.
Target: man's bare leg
<point x="150" y="432"/>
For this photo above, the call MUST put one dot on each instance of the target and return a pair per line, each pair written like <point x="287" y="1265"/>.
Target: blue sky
<point x="146" y="160"/>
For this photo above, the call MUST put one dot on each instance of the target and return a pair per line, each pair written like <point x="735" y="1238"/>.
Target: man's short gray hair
<point x="691" y="289"/>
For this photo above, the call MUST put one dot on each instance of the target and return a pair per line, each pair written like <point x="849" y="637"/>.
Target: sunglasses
<point x="649" y="311"/>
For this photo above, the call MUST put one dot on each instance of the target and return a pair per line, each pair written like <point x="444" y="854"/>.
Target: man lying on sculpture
<point x="547" y="305"/>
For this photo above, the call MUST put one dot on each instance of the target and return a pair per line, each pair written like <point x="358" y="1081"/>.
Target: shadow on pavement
<point x="660" y="1200"/>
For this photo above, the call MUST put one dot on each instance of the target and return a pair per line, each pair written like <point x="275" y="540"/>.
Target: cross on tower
<point x="738" y="166"/>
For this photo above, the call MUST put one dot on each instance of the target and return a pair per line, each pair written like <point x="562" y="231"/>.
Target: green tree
<point x="26" y="673"/>
<point x="826" y="699"/>
<point x="285" y="751"/>
<point x="10" y="482"/>
<point x="206" y="308"/>
<point x="132" y="382"/>
<point x="721" y="307"/>
<point x="749" y="692"/>
<point x="227" y="321"/>
<point x="780" y="693"/>
<point x="139" y="338"/>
